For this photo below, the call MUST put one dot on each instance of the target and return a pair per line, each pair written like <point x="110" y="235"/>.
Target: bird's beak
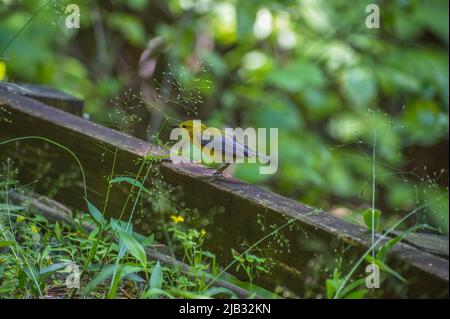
<point x="174" y="126"/>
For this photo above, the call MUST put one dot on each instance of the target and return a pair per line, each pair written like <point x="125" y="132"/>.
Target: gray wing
<point x="228" y="145"/>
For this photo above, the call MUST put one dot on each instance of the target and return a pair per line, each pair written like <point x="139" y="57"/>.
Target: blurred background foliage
<point x="308" y="67"/>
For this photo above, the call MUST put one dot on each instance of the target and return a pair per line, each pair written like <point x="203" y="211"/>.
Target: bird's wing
<point x="248" y="152"/>
<point x="228" y="146"/>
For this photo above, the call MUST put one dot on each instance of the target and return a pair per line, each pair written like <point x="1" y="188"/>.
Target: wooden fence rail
<point x="228" y="208"/>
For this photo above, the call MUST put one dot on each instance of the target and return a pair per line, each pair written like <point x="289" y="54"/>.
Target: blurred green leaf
<point x="372" y="218"/>
<point x="156" y="279"/>
<point x="297" y="76"/>
<point x="129" y="26"/>
<point x="359" y="86"/>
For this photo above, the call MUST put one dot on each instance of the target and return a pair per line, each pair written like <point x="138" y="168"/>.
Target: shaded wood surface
<point x="229" y="208"/>
<point x="435" y="244"/>
<point x="46" y="95"/>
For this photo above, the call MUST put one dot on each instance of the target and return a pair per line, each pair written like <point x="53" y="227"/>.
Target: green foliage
<point x="46" y="249"/>
<point x="351" y="291"/>
<point x="251" y="264"/>
<point x="382" y="266"/>
<point x="312" y="69"/>
<point x="372" y="219"/>
<point x="95" y="213"/>
<point x="133" y="247"/>
<point x="106" y="250"/>
<point x="156" y="279"/>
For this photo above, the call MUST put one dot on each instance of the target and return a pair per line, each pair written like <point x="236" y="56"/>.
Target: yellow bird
<point x="230" y="148"/>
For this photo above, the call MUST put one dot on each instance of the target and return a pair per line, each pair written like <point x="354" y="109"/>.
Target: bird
<point x="230" y="148"/>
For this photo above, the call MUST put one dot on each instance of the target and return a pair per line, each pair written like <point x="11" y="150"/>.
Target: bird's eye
<point x="183" y="126"/>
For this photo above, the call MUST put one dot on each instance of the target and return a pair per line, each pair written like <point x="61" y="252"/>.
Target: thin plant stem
<point x="248" y="250"/>
<point x="16" y="35"/>
<point x="129" y="223"/>
<point x="57" y="144"/>
<point x="373" y="188"/>
<point x="382" y="237"/>
<point x="23" y="257"/>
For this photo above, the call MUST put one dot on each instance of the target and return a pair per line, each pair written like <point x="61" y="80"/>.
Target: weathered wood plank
<point x="55" y="211"/>
<point x="47" y="95"/>
<point x="230" y="207"/>
<point x="435" y="244"/>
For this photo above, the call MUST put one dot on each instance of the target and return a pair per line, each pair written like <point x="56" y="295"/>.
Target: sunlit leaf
<point x="156" y="279"/>
<point x="133" y="247"/>
<point x="372" y="218"/>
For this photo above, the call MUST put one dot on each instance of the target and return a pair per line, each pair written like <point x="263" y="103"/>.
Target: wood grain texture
<point x="228" y="208"/>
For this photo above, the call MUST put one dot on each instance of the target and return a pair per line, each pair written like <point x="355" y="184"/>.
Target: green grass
<point x="35" y="259"/>
<point x="36" y="255"/>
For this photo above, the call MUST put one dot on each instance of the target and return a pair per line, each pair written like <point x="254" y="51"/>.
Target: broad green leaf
<point x="99" y="278"/>
<point x="95" y="213"/>
<point x="386" y="268"/>
<point x="121" y="225"/>
<point x="118" y="225"/>
<point x="156" y="279"/>
<point x="46" y="272"/>
<point x="53" y="267"/>
<point x="155" y="292"/>
<point x="92" y="253"/>
<point x="352" y="286"/>
<point x="148" y="240"/>
<point x="145" y="241"/>
<point x="358" y="294"/>
<point x="123" y="271"/>
<point x="115" y="284"/>
<point x="133" y="247"/>
<point x="368" y="218"/>
<point x="331" y="286"/>
<point x="130" y="181"/>
<point x="6" y="243"/>
<point x="58" y="231"/>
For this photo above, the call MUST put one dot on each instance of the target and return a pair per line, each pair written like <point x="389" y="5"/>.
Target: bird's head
<point x="189" y="126"/>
